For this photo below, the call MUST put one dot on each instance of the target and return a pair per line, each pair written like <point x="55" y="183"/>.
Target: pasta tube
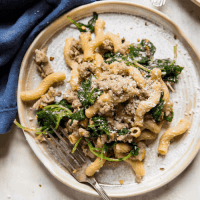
<point x="93" y="110"/>
<point x="146" y="135"/>
<point x="137" y="76"/>
<point x="95" y="166"/>
<point x="67" y="47"/>
<point x="115" y="40"/>
<point x="43" y="87"/>
<point x="137" y="167"/>
<point x="165" y="139"/>
<point x="123" y="148"/>
<point x="146" y="106"/>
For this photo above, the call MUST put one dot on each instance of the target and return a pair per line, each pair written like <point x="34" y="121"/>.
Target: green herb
<point x="64" y="103"/>
<point x="169" y="118"/>
<point x="86" y="27"/>
<point x="75" y="146"/>
<point x="157" y="110"/>
<point x="134" y="51"/>
<point x="146" y="44"/>
<point x="99" y="127"/>
<point x="135" y="56"/>
<point x="175" y="52"/>
<point x="170" y="71"/>
<point x="85" y="95"/>
<point x="108" y="146"/>
<point x="135" y="150"/>
<point x="94" y="150"/>
<point x="52" y="115"/>
<point x="123" y="131"/>
<point x="144" y="60"/>
<point x="26" y="128"/>
<point x="111" y="57"/>
<point x="101" y="156"/>
<point x="79" y="115"/>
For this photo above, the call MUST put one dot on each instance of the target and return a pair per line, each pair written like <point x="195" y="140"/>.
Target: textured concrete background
<point x="23" y="176"/>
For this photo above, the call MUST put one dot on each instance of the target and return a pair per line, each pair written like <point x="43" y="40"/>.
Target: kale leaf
<point x="111" y="57"/>
<point x="169" y="118"/>
<point x="52" y="115"/>
<point x="135" y="149"/>
<point x="85" y="95"/>
<point x="135" y="53"/>
<point x="146" y="45"/>
<point x="170" y="71"/>
<point x="99" y="127"/>
<point x="157" y="110"/>
<point x="64" y="103"/>
<point x="108" y="146"/>
<point x="79" y="115"/>
<point x="123" y="131"/>
<point x="86" y="27"/>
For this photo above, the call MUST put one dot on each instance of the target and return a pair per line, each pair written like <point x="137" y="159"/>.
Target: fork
<point x="158" y="2"/>
<point x="75" y="163"/>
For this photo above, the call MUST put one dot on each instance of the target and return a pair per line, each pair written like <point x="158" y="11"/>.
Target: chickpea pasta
<point x="118" y="101"/>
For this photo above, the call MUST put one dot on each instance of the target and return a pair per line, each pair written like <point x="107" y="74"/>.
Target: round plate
<point x="128" y="20"/>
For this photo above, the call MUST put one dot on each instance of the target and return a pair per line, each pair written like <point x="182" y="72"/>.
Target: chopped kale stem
<point x="94" y="150"/>
<point x="76" y="145"/>
<point x="86" y="27"/>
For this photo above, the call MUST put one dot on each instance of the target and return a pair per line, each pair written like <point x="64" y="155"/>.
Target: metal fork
<point x="158" y="2"/>
<point x="76" y="163"/>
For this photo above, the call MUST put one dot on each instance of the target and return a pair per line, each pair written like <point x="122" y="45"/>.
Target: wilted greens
<point x="99" y="127"/>
<point x="86" y="27"/>
<point x="86" y="95"/>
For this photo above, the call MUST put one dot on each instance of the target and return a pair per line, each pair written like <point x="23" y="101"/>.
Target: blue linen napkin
<point x="20" y="23"/>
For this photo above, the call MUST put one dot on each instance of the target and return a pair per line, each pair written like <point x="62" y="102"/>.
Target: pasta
<point x="43" y="87"/>
<point x="164" y="143"/>
<point x="147" y="105"/>
<point x="118" y="101"/>
<point x="74" y="81"/>
<point x="95" y="166"/>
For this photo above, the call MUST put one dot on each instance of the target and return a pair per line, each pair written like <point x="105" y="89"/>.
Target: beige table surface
<point x="23" y="176"/>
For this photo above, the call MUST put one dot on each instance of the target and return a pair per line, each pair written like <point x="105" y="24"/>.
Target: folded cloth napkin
<point x="20" y="23"/>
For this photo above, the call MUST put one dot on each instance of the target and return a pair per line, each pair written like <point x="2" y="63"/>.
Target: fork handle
<point x="99" y="190"/>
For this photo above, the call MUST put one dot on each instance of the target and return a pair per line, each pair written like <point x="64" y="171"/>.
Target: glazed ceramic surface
<point x="131" y="21"/>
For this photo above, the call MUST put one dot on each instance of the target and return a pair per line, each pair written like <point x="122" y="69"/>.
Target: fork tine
<point x="59" y="153"/>
<point x="68" y="142"/>
<point x="68" y="151"/>
<point x="67" y="154"/>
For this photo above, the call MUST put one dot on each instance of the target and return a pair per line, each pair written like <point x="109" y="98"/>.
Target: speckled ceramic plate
<point x="131" y="21"/>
